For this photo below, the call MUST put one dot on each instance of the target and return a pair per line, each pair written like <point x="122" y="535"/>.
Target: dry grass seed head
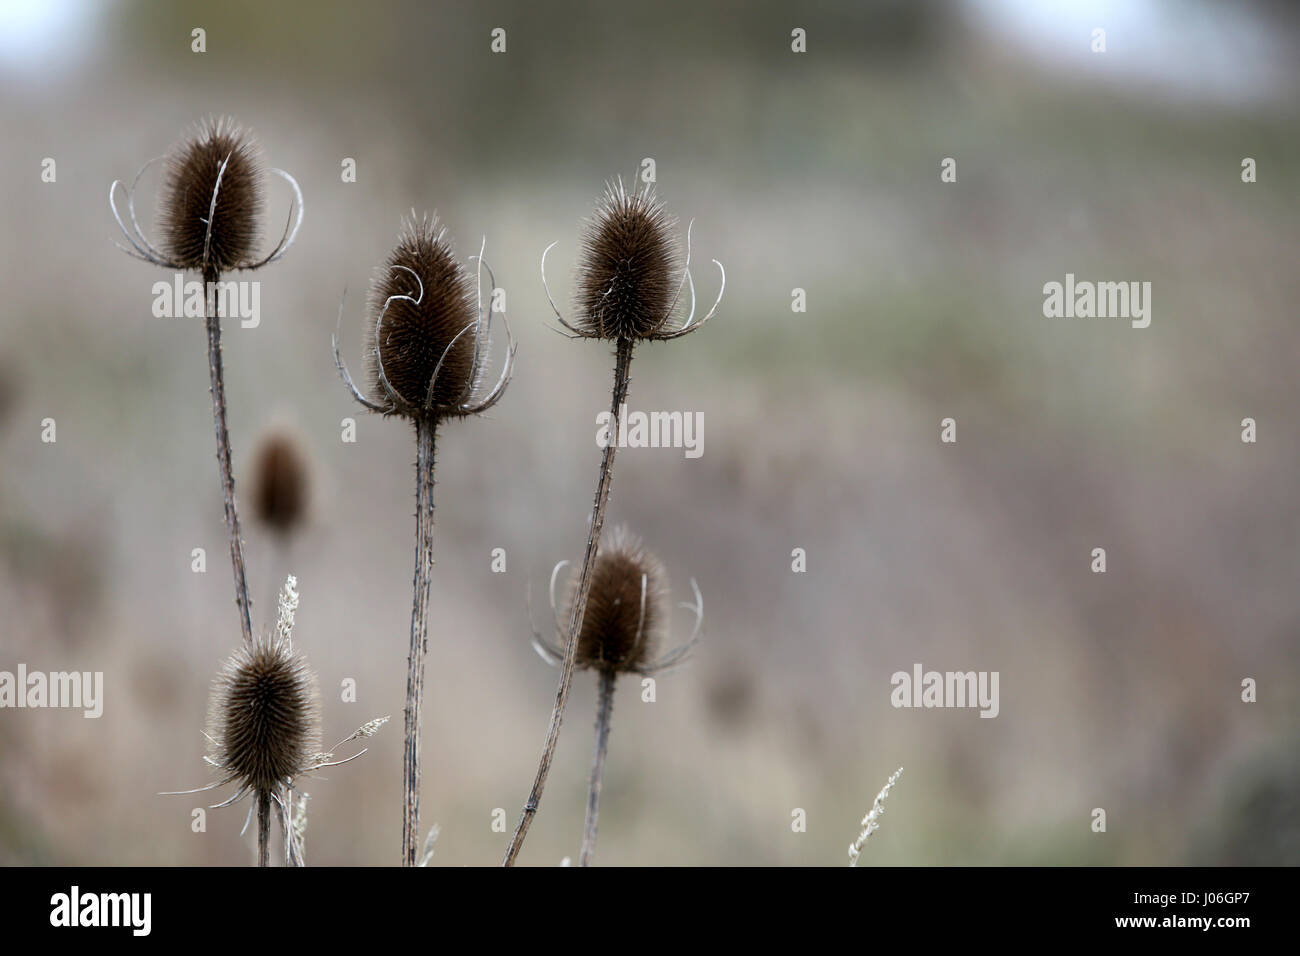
<point x="629" y="272"/>
<point x="421" y="321"/>
<point x="617" y="634"/>
<point x="218" y="158"/>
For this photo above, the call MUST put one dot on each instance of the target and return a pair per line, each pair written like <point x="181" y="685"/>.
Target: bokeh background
<point x="818" y="171"/>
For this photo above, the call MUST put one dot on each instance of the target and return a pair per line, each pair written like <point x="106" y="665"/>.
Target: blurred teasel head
<point x="429" y="330"/>
<point x="630" y="277"/>
<point x="626" y="608"/>
<point x="626" y="618"/>
<point x="210" y="204"/>
<point x="281" y="482"/>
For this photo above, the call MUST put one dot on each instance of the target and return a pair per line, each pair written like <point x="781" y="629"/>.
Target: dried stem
<point x="604" y="708"/>
<point x="426" y="427"/>
<point x="622" y="362"/>
<point x="289" y="829"/>
<point x="218" y="388"/>
<point x="263" y="828"/>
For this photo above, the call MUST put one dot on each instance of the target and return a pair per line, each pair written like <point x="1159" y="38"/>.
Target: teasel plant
<point x="427" y="351"/>
<point x="630" y="280"/>
<point x="264" y="732"/>
<point x="209" y="211"/>
<point x="622" y="632"/>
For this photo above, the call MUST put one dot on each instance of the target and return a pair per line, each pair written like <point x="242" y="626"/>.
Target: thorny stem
<point x="426" y="427"/>
<point x="622" y="361"/>
<point x="216" y="376"/>
<point x="604" y="708"/>
<point x="263" y="828"/>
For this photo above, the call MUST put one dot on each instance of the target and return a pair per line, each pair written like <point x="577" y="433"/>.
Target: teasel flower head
<point x="429" y="333"/>
<point x="627" y="611"/>
<point x="264" y="723"/>
<point x="264" y="717"/>
<point x="630" y="277"/>
<point x="281" y="485"/>
<point x="210" y="205"/>
<point x="212" y="198"/>
<point x="629" y="266"/>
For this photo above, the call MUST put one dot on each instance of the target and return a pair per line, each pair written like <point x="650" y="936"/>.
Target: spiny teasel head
<point x="211" y="205"/>
<point x="429" y="332"/>
<point x="626" y="618"/>
<point x="264" y="716"/>
<point x="264" y="729"/>
<point x="280" y="482"/>
<point x="629" y="272"/>
<point x="422" y="311"/>
<point x="629" y="278"/>
<point x="627" y="608"/>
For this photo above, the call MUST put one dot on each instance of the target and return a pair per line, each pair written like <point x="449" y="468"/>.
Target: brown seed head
<point x="629" y="270"/>
<point x="281" y="485"/>
<point x="220" y="159"/>
<point x="413" y="336"/>
<point x="617" y="633"/>
<point x="264" y="715"/>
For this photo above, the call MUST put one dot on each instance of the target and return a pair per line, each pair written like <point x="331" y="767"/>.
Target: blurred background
<point x="818" y="171"/>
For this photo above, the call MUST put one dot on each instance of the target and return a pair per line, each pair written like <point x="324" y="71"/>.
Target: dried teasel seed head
<point x="618" y="632"/>
<point x="629" y="271"/>
<point x="281" y="484"/>
<point x="264" y="715"/>
<point x="415" y="324"/>
<point x="218" y="160"/>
